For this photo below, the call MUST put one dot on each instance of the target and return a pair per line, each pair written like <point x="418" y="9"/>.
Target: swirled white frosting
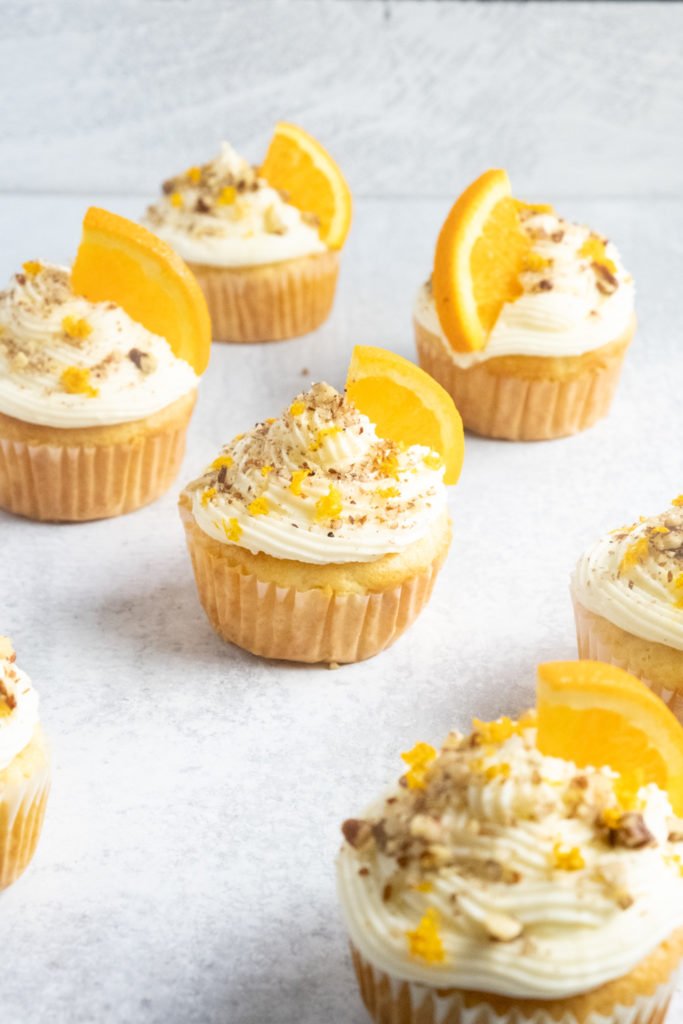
<point x="326" y="489"/>
<point x="18" y="709"/>
<point x="634" y="578"/>
<point x="256" y="226"/>
<point x="576" y="314"/>
<point x="123" y="371"/>
<point x="530" y="892"/>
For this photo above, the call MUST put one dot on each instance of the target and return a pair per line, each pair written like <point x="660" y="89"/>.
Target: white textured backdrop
<point x="413" y="96"/>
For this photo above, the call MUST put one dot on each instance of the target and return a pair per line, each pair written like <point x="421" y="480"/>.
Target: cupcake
<point x="24" y="769"/>
<point x="314" y="539"/>
<point x="263" y="242"/>
<point x="94" y="404"/>
<point x="500" y="882"/>
<point x="526" y="318"/>
<point x="628" y="602"/>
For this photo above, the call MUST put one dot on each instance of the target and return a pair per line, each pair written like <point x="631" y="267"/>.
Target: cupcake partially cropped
<point x="94" y="406"/>
<point x="628" y="602"/>
<point x="498" y="884"/>
<point x="526" y="318"/>
<point x="263" y="242"/>
<point x="24" y="768"/>
<point x="312" y="538"/>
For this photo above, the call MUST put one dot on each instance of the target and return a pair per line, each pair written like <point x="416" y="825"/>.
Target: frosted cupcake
<point x="94" y="406"/>
<point x="628" y="602"/>
<point x="526" y="318"/>
<point x="501" y="885"/>
<point x="24" y="768"/>
<point x="312" y="538"/>
<point x="263" y="243"/>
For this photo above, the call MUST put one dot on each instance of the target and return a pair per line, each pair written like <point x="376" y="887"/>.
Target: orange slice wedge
<point x="120" y="261"/>
<point x="480" y="254"/>
<point x="298" y="164"/>
<point x="406" y="404"/>
<point x="596" y="715"/>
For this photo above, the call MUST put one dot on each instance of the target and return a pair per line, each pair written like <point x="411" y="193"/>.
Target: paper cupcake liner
<point x="516" y="408"/>
<point x="391" y="1001"/>
<point x="601" y="640"/>
<point x="269" y="303"/>
<point x="22" y="808"/>
<point x="314" y="625"/>
<point x="75" y="482"/>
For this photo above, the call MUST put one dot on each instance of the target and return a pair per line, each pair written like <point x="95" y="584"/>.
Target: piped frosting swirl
<point x="18" y="706"/>
<point x="318" y="485"/>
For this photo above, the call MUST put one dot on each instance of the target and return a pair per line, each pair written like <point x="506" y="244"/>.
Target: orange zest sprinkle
<point x="389" y="467"/>
<point x="208" y="494"/>
<point x="319" y="438"/>
<point x="567" y="859"/>
<point x="635" y="554"/>
<point x="76" y="381"/>
<point x="678" y="501"/>
<point x="594" y="249"/>
<point x="175" y="199"/>
<point x="227" y="196"/>
<point x="266" y="470"/>
<point x="296" y="408"/>
<point x="222" y="460"/>
<point x="418" y="760"/>
<point x="258" y="507"/>
<point x="232" y="530"/>
<point x="388" y="492"/>
<point x="77" y="328"/>
<point x="330" y="505"/>
<point x="498" y="731"/>
<point x="533" y="261"/>
<point x="424" y="941"/>
<point x="433" y="461"/>
<point x="194" y="174"/>
<point x="32" y="267"/>
<point x="498" y="771"/>
<point x="298" y="477"/>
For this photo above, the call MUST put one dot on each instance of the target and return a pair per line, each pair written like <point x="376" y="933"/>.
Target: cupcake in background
<point x="505" y="881"/>
<point x="318" y="535"/>
<point x="263" y="242"/>
<point x="96" y="381"/>
<point x="628" y="602"/>
<point x="526" y="318"/>
<point x="24" y="768"/>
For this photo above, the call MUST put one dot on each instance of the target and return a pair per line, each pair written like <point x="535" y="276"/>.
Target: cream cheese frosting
<point x="18" y="707"/>
<point x="68" y="362"/>
<point x="578" y="298"/>
<point x="495" y="868"/>
<point x="318" y="485"/>
<point x="633" y="577"/>
<point x="224" y="215"/>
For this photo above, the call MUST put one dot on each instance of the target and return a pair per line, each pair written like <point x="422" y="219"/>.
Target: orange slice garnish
<point x="598" y="715"/>
<point x="479" y="256"/>
<point x="406" y="404"/>
<point x="298" y="164"/>
<point x="120" y="261"/>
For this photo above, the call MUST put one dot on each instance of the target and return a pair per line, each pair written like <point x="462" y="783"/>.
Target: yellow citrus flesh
<point x="479" y="256"/>
<point x="120" y="261"/>
<point x="301" y="167"/>
<point x="598" y="715"/>
<point x="406" y="404"/>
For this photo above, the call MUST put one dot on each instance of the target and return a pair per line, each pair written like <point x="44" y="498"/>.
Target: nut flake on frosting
<point x="633" y="577"/>
<point x="576" y="296"/>
<point x="318" y="485"/>
<point x="68" y="362"/>
<point x="18" y="706"/>
<point x="504" y="870"/>
<point x="223" y="214"/>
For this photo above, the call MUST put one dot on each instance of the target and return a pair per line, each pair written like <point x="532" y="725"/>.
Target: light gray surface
<point x="185" y="871"/>
<point x="413" y="97"/>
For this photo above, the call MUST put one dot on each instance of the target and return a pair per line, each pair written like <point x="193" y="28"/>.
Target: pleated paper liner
<point x="104" y="472"/>
<point x="391" y="1001"/>
<point x="315" y="625"/>
<point x="513" y="407"/>
<point x="658" y="666"/>
<point x="271" y="302"/>
<point x="24" y="789"/>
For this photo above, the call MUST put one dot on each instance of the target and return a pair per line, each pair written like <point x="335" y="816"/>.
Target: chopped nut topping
<point x="144" y="361"/>
<point x="502" y="927"/>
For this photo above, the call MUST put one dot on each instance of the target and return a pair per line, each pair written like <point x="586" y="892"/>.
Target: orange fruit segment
<point x="598" y="715"/>
<point x="480" y="253"/>
<point x="297" y="164"/>
<point x="120" y="261"/>
<point x="406" y="404"/>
